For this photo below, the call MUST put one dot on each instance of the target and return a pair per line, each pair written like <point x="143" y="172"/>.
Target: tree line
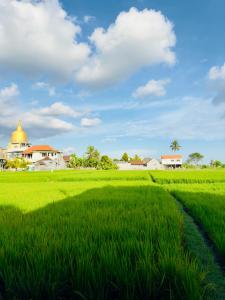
<point x="92" y="159"/>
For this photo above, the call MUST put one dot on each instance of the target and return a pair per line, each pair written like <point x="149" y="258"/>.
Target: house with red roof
<point x="39" y="152"/>
<point x="172" y="161"/>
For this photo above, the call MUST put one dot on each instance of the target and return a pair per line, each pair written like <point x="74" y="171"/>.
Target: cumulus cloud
<point x="8" y="99"/>
<point x="42" y="122"/>
<point x="217" y="73"/>
<point x="47" y="43"/>
<point x="136" y="39"/>
<point x="58" y="109"/>
<point x="152" y="87"/>
<point x="40" y="85"/>
<point x="90" y="122"/>
<point x="38" y="37"/>
<point x="216" y="76"/>
<point x="9" y="92"/>
<point x="41" y="126"/>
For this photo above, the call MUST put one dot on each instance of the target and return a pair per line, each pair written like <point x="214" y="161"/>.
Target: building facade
<point x="39" y="152"/>
<point x="172" y="161"/>
<point x="145" y="164"/>
<point x="39" y="157"/>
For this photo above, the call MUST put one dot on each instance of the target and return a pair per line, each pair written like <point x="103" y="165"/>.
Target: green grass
<point x="207" y="204"/>
<point x="71" y="175"/>
<point x="188" y="176"/>
<point x="98" y="235"/>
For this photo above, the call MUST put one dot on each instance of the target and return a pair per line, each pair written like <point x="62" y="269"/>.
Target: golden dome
<point x="19" y="135"/>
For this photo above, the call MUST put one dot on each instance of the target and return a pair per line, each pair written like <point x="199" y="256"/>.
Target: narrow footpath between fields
<point x="200" y="245"/>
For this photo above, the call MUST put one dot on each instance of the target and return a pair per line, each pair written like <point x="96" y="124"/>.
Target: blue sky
<point x="126" y="76"/>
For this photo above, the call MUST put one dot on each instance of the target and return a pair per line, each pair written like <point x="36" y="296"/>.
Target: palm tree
<point x="175" y="146"/>
<point x="92" y="153"/>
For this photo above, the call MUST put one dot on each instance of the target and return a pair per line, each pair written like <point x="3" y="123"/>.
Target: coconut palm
<point x="175" y="146"/>
<point x="92" y="153"/>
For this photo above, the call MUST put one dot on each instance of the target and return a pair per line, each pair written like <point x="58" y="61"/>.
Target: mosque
<point x="40" y="157"/>
<point x="18" y="143"/>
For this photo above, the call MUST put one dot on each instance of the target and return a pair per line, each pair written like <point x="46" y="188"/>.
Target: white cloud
<point x="216" y="76"/>
<point x="46" y="41"/>
<point x="152" y="87"/>
<point x="7" y="99"/>
<point x="217" y="73"/>
<point x="90" y="122"/>
<point x="45" y="86"/>
<point x="88" y="19"/>
<point x="190" y="119"/>
<point x="42" y="122"/>
<point x="38" y="37"/>
<point x="136" y="39"/>
<point x="10" y="91"/>
<point x="195" y="118"/>
<point x="58" y="109"/>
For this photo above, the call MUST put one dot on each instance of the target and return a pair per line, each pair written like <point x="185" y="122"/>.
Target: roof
<point x="147" y="159"/>
<point x="137" y="163"/>
<point x="175" y="156"/>
<point x="43" y="160"/>
<point x="66" y="158"/>
<point x="40" y="148"/>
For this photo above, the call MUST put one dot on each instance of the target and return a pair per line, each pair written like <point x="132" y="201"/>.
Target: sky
<point x="120" y="75"/>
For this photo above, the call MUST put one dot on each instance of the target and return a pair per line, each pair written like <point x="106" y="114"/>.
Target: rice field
<point x="189" y="176"/>
<point x="207" y="204"/>
<point x="108" y="235"/>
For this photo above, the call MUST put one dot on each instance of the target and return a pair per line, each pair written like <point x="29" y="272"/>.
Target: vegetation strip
<point x="208" y="241"/>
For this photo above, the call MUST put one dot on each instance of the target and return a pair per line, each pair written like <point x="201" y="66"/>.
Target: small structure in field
<point x="45" y="164"/>
<point x="172" y="161"/>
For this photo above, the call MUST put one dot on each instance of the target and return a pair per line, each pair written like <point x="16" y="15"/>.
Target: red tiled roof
<point x="66" y="158"/>
<point x="176" y="156"/>
<point x="137" y="163"/>
<point x="39" y="148"/>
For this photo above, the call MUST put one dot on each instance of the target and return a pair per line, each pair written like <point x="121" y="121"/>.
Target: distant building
<point x="18" y="143"/>
<point x="47" y="164"/>
<point x="145" y="164"/>
<point x="38" y="152"/>
<point x="44" y="157"/>
<point x="39" y="156"/>
<point x="3" y="157"/>
<point x="66" y="159"/>
<point x="172" y="161"/>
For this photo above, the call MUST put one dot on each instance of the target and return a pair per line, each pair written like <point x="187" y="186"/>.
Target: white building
<point x="172" y="161"/>
<point x="37" y="153"/>
<point x="145" y="164"/>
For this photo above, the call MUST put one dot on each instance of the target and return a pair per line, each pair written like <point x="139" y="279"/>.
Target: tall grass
<point x="114" y="242"/>
<point x="95" y="235"/>
<point x="207" y="204"/>
<point x="187" y="176"/>
<point x="72" y="175"/>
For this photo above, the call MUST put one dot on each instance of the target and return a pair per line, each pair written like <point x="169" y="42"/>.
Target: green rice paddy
<point x="111" y="235"/>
